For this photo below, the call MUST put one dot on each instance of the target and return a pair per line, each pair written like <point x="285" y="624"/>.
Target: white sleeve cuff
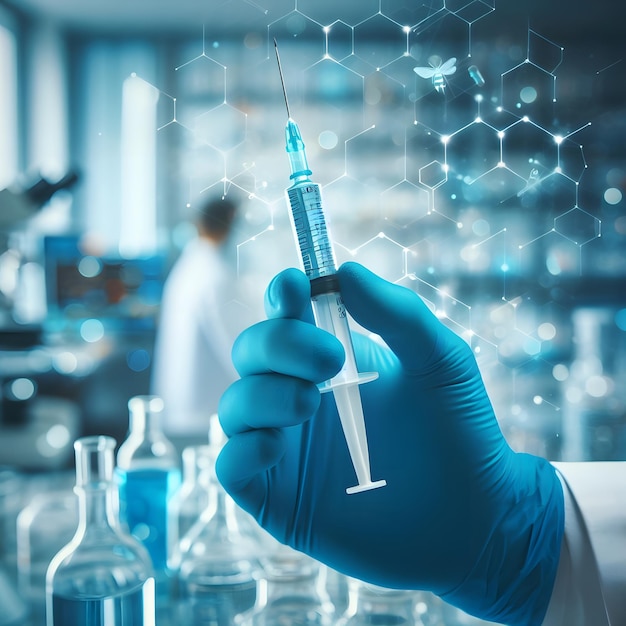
<point x="590" y="586"/>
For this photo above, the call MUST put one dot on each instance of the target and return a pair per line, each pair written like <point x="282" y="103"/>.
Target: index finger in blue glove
<point x="398" y="315"/>
<point x="290" y="347"/>
<point x="289" y="296"/>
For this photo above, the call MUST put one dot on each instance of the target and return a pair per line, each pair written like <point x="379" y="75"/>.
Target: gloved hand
<point x="462" y="515"/>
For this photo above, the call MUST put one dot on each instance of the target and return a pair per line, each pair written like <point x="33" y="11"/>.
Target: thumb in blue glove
<point x="462" y="515"/>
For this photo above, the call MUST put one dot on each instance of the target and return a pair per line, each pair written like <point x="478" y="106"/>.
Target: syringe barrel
<point x="310" y="229"/>
<point x="330" y="315"/>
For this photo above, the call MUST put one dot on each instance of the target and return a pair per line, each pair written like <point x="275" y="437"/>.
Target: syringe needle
<point x="282" y="80"/>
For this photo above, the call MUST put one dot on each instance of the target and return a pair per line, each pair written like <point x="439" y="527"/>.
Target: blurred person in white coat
<point x="201" y="314"/>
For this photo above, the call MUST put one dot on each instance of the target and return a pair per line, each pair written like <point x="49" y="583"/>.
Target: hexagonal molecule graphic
<point x="295" y="25"/>
<point x="339" y="40"/>
<point x="379" y="40"/>
<point x="350" y="13"/>
<point x="529" y="150"/>
<point x="578" y="226"/>
<point x="202" y="81"/>
<point x="422" y="147"/>
<point x="411" y="12"/>
<point x="530" y="86"/>
<point x="382" y="255"/>
<point x="387" y="167"/>
<point x="404" y="203"/>
<point x="473" y="151"/>
<point x="223" y="127"/>
<point x="433" y="175"/>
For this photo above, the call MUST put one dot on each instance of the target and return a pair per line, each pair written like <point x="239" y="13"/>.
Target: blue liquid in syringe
<point x="144" y="498"/>
<point x="130" y="608"/>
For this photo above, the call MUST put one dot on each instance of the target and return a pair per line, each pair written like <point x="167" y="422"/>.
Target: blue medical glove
<point x="462" y="515"/>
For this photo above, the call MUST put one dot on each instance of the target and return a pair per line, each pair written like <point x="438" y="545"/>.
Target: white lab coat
<point x="202" y="312"/>
<point x="590" y="587"/>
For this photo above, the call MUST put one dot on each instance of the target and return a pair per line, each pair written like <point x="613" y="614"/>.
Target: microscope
<point x="36" y="432"/>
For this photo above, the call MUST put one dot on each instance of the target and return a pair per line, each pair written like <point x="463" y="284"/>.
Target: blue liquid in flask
<point x="144" y="498"/>
<point x="130" y="608"/>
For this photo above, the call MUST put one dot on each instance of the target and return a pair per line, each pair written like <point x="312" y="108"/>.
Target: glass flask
<point x="337" y="588"/>
<point x="370" y="605"/>
<point x="192" y="499"/>
<point x="11" y="493"/>
<point x="46" y="524"/>
<point x="217" y="565"/>
<point x="148" y="476"/>
<point x="292" y="591"/>
<point x="104" y="576"/>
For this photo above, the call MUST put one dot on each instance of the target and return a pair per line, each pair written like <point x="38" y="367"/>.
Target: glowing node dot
<point x="22" y="388"/>
<point x="528" y="94"/>
<point x="504" y="267"/>
<point x="459" y="224"/>
<point x="92" y="330"/>
<point x="479" y="97"/>
<point x="560" y="372"/>
<point x="406" y="29"/>
<point x="89" y="266"/>
<point x="537" y="400"/>
<point x="501" y="134"/>
<point x="453" y="196"/>
<point x="525" y="118"/>
<point x="546" y="331"/>
<point x="381" y="235"/>
<point x="596" y="386"/>
<point x="501" y="164"/>
<point x="328" y="139"/>
<point x="445" y="139"/>
<point x="612" y="196"/>
<point x="58" y="436"/>
<point x="558" y="139"/>
<point x="477" y="120"/>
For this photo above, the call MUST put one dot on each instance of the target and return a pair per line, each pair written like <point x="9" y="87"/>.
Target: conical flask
<point x="217" y="558"/>
<point x="371" y="605"/>
<point x="191" y="500"/>
<point x="292" y="591"/>
<point x="103" y="577"/>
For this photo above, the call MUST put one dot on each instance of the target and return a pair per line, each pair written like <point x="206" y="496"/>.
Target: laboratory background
<point x="470" y="150"/>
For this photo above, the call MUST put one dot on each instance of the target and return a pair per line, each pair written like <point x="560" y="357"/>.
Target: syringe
<point x="318" y="260"/>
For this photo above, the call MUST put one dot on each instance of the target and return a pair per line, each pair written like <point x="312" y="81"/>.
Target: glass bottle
<point x="103" y="577"/>
<point x="292" y="591"/>
<point x="46" y="524"/>
<point x="337" y="589"/>
<point x="218" y="564"/>
<point x="148" y="475"/>
<point x="192" y="499"/>
<point x="371" y="605"/>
